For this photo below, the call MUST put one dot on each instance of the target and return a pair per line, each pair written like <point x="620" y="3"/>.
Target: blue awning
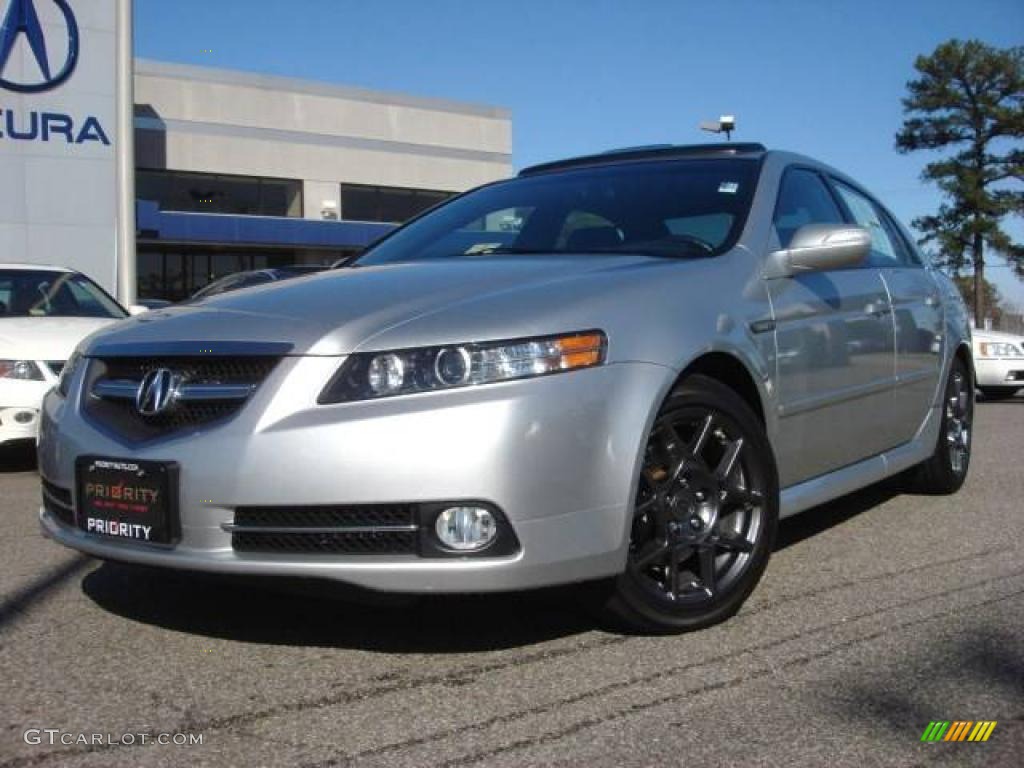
<point x="225" y="229"/>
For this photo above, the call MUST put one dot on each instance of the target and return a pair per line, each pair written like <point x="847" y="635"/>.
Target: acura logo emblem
<point x="158" y="391"/>
<point x="22" y="21"/>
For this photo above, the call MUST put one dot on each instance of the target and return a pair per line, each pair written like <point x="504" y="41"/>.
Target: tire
<point x="946" y="470"/>
<point x="998" y="393"/>
<point x="705" y="516"/>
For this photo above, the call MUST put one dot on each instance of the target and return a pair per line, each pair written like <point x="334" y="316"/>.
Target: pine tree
<point x="969" y="99"/>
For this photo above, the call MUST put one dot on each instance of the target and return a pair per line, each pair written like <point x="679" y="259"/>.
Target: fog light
<point x="24" y="417"/>
<point x="466" y="528"/>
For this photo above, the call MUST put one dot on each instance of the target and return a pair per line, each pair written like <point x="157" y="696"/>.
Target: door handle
<point x="877" y="309"/>
<point x="932" y="300"/>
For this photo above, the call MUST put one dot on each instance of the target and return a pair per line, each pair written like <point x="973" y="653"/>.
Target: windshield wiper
<point x="658" y="249"/>
<point x="500" y="249"/>
<point x="652" y="248"/>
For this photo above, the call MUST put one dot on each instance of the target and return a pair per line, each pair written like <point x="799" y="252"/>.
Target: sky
<point x="820" y="77"/>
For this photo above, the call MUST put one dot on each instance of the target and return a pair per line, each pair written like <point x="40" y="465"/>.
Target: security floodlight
<point x="725" y="124"/>
<point x="329" y="210"/>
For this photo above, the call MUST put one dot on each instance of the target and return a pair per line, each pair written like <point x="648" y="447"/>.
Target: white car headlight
<point x="22" y="370"/>
<point x="998" y="349"/>
<point x="372" y="375"/>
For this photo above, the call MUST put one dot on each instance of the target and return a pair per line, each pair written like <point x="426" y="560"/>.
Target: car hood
<point x="997" y="336"/>
<point x="45" y="338"/>
<point x="332" y="313"/>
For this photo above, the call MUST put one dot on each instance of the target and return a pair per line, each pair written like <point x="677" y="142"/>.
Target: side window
<point x="803" y="199"/>
<point x="907" y="255"/>
<point x="885" y="250"/>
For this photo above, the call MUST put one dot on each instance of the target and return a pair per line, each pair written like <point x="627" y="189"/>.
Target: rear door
<point x="835" y="347"/>
<point x="917" y="312"/>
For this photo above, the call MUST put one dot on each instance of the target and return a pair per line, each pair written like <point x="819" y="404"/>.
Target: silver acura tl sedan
<point x="620" y="369"/>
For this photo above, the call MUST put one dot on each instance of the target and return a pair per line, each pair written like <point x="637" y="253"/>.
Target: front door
<point x="835" y="349"/>
<point x="834" y="342"/>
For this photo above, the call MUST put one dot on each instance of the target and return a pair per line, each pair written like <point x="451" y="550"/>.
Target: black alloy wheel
<point x="946" y="470"/>
<point x="705" y="515"/>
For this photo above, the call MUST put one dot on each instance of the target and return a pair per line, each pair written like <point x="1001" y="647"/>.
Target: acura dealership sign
<point x="59" y="134"/>
<point x="21" y="19"/>
<point x="21" y="25"/>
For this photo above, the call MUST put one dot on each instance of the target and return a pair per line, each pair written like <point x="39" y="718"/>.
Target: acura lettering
<point x="51" y="126"/>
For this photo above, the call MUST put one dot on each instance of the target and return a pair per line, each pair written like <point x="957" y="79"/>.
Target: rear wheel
<point x="705" y="514"/>
<point x="946" y="470"/>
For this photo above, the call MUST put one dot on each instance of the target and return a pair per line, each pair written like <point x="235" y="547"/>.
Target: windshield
<point x="43" y="293"/>
<point x="687" y="208"/>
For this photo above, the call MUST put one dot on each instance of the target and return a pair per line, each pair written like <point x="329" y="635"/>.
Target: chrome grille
<point x="211" y="390"/>
<point x="199" y="370"/>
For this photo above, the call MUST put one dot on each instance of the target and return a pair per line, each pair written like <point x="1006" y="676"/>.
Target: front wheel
<point x="705" y="514"/>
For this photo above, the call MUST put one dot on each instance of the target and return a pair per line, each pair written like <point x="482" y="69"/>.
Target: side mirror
<point x="820" y="247"/>
<point x="137" y="309"/>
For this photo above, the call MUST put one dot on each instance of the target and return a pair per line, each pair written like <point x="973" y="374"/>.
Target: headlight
<point x="998" y="349"/>
<point x="371" y="375"/>
<point x="22" y="370"/>
<point x="67" y="373"/>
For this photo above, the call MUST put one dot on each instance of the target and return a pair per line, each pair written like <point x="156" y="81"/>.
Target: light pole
<point x="125" y="74"/>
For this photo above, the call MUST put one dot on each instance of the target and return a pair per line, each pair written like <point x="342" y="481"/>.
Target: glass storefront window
<point x="393" y="205"/>
<point x="217" y="193"/>
<point x="175" y="273"/>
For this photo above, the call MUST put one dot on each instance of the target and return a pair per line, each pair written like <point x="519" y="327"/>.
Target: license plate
<point x="128" y="500"/>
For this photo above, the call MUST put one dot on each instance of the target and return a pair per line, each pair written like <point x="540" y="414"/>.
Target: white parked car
<point x="44" y="313"/>
<point x="998" y="363"/>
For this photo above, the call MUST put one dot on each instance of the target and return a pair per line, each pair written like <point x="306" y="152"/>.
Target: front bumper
<point x="558" y="455"/>
<point x="18" y="424"/>
<point x="1006" y="372"/>
<point x="20" y="402"/>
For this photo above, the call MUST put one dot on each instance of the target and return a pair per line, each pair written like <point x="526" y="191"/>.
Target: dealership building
<point x="232" y="170"/>
<point x="238" y="171"/>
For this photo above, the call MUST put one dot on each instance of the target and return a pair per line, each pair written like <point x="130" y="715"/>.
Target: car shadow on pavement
<point x="325" y="614"/>
<point x="18" y="457"/>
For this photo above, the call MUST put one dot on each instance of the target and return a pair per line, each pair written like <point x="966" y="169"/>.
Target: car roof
<point x="27" y="267"/>
<point x="651" y="152"/>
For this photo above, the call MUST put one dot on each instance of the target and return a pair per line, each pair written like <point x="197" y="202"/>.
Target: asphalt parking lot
<point x="878" y="614"/>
